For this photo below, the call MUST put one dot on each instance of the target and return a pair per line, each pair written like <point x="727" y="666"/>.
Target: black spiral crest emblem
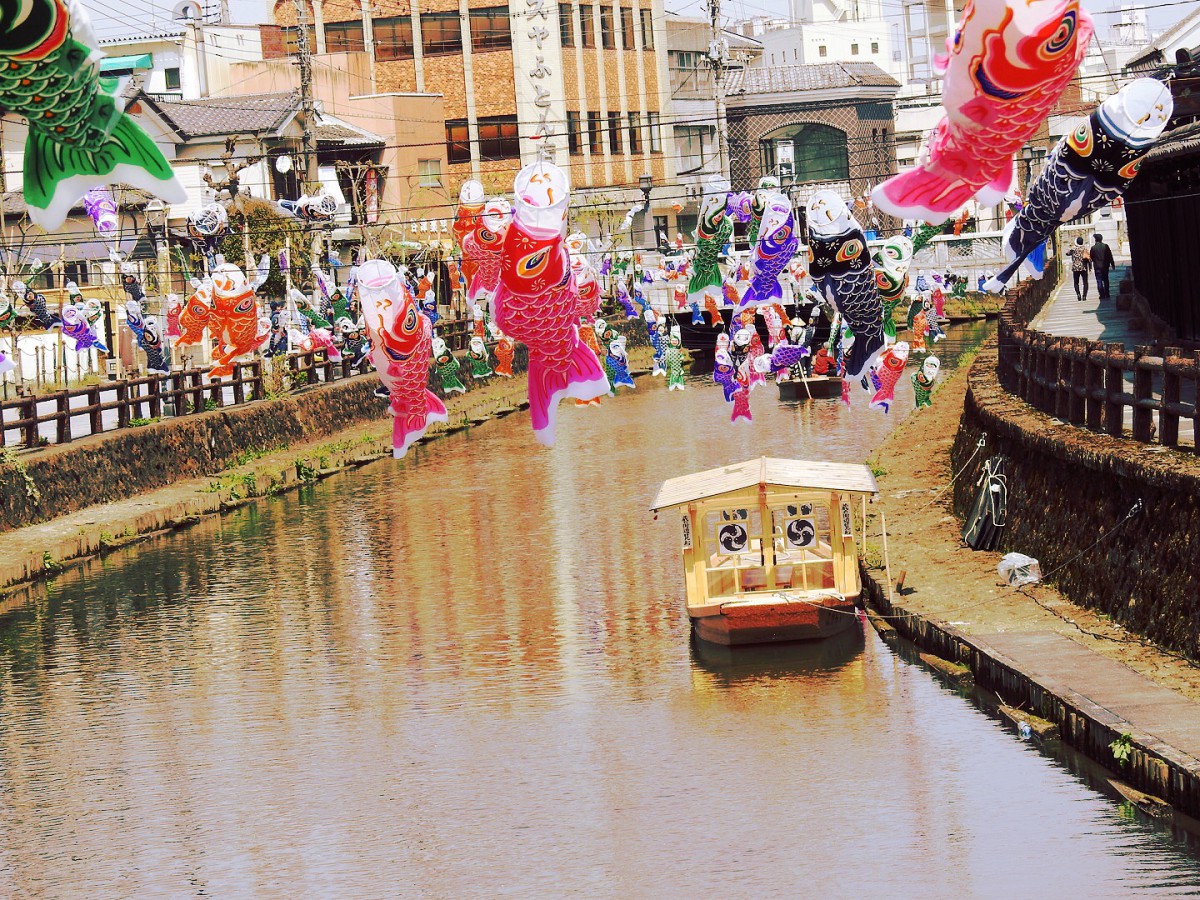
<point x="732" y="538"/>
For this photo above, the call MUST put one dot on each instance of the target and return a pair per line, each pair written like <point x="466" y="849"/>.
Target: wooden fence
<point x="1092" y="383"/>
<point x="151" y="397"/>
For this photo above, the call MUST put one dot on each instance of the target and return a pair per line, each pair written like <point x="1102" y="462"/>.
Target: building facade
<point x="827" y="126"/>
<point x="586" y="80"/>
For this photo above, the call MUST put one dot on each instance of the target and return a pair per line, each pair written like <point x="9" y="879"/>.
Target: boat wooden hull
<point x="768" y="622"/>
<point x="818" y="388"/>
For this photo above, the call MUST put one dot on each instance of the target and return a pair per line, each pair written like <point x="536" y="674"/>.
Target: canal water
<point x="469" y="675"/>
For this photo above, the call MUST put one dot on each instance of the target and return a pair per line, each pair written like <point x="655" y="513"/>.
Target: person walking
<point x="1102" y="261"/>
<point x="1080" y="263"/>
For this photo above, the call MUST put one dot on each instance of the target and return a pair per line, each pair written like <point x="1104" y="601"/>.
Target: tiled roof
<point x="127" y="197"/>
<point x="1181" y="141"/>
<point x="247" y="114"/>
<point x="335" y="131"/>
<point x="819" y="77"/>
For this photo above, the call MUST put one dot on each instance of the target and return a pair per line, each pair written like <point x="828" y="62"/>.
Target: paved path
<point x="1093" y="318"/>
<point x="1066" y="667"/>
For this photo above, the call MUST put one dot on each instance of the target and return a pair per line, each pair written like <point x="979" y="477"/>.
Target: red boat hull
<point x="764" y="623"/>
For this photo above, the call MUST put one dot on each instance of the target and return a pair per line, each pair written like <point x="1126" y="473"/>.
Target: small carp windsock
<point x="401" y="344"/>
<point x="841" y="270"/>
<point x="777" y="243"/>
<point x="891" y="367"/>
<point x="536" y="302"/>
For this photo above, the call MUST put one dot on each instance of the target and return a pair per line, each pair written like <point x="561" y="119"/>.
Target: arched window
<point x="810" y="152"/>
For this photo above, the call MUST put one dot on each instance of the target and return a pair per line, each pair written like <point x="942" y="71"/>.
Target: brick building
<point x="819" y="126"/>
<point x="591" y="76"/>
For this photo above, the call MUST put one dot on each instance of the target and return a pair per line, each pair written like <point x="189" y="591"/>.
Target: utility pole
<point x="308" y="116"/>
<point x="717" y="57"/>
<point x="308" y="111"/>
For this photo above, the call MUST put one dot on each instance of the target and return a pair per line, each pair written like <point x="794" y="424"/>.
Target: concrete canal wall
<point x="1152" y="766"/>
<point x="1068" y="486"/>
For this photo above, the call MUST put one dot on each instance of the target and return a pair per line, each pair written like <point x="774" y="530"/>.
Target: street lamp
<point x="646" y="183"/>
<point x="1027" y="155"/>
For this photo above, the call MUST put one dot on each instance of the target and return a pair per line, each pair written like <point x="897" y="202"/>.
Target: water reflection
<point x="471" y="674"/>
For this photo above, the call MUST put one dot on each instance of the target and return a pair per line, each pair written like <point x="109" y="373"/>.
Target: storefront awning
<point x="124" y="64"/>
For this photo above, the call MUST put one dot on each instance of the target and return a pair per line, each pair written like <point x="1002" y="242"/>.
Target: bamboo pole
<point x="887" y="563"/>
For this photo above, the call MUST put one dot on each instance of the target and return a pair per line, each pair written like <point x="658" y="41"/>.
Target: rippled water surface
<point x="470" y="675"/>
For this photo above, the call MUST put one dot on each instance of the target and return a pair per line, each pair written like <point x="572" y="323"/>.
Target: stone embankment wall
<point x="63" y="478"/>
<point x="38" y="486"/>
<point x="1068" y="487"/>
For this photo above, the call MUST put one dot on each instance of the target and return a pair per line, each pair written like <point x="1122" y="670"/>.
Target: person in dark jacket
<point x="1102" y="261"/>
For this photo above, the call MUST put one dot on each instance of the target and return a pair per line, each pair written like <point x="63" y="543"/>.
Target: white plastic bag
<point x="1018" y="569"/>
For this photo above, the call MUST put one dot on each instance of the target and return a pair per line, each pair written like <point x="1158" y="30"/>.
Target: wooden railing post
<point x="1093" y="384"/>
<point x="122" y="404"/>
<point x="62" y="403"/>
<point x="1114" y="387"/>
<point x="156" y="397"/>
<point x="1062" y="379"/>
<point x="95" y="416"/>
<point x="1168" y="416"/>
<point x="1195" y="375"/>
<point x="1143" y="389"/>
<point x="31" y="423"/>
<point x="1078" y="378"/>
<point x="239" y="390"/>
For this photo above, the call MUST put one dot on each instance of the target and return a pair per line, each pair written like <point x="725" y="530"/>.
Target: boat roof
<point x="789" y="473"/>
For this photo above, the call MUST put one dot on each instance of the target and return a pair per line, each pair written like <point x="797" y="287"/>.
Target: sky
<point x="112" y="17"/>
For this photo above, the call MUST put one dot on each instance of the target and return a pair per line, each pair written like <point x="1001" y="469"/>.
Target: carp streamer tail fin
<point x="57" y="176"/>
<point x="408" y="428"/>
<point x="583" y="379"/>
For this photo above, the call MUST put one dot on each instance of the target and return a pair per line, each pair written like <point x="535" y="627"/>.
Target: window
<point x="344" y="37"/>
<point x="393" y="38"/>
<point x="566" y="30"/>
<point x="733" y="542"/>
<point x="78" y="271"/>
<point x="691" y="141"/>
<point x="458" y="141"/>
<point x="635" y="132"/>
<point x="803" y="546"/>
<point x="172" y="78"/>
<point x="608" y="38"/>
<point x="430" y="171"/>
<point x="587" y="28"/>
<point x="614" y="132"/>
<point x="854" y="49"/>
<point x="595" y="135"/>
<point x="647" y="30"/>
<point x="441" y="34"/>
<point x="874" y="46"/>
<point x="489" y="29"/>
<point x="498" y="138"/>
<point x="822" y="50"/>
<point x="655" y="133"/>
<point x="627" y="28"/>
<point x="291" y="42"/>
<point x="574" y="138"/>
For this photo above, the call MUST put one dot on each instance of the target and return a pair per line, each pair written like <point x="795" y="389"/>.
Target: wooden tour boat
<point x="817" y="387"/>
<point x="770" y="551"/>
